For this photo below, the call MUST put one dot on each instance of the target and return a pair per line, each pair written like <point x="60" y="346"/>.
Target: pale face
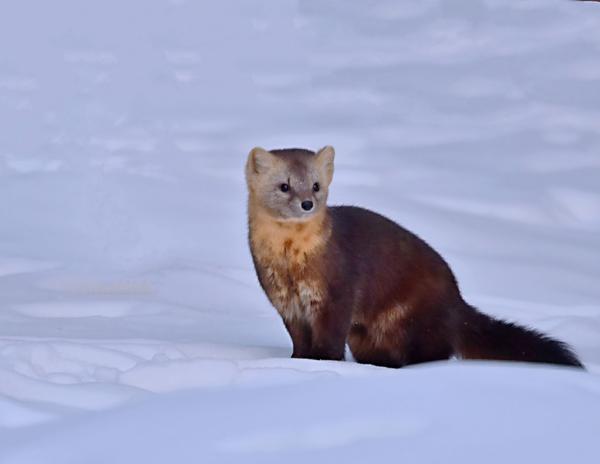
<point x="290" y="185"/>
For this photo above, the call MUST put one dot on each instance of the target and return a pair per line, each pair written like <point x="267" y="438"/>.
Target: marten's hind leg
<point x="366" y="351"/>
<point x="395" y="338"/>
<point x="379" y="339"/>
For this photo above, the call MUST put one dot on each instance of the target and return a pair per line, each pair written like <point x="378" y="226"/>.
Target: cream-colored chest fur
<point x="289" y="260"/>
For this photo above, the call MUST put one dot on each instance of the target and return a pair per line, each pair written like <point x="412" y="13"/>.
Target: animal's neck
<point x="293" y="242"/>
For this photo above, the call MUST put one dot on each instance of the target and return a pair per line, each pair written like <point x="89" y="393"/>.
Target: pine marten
<point x="344" y="274"/>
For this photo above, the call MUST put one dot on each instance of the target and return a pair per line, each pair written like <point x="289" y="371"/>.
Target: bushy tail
<point x="483" y="337"/>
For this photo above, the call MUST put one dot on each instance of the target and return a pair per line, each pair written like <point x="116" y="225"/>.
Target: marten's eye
<point x="316" y="187"/>
<point x="284" y="187"/>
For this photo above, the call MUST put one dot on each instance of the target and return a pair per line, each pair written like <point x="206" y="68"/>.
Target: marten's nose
<point x="307" y="205"/>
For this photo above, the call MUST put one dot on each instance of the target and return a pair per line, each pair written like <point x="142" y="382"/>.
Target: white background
<point x="124" y="268"/>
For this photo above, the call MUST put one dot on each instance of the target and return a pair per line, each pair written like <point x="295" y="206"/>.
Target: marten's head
<point x="290" y="184"/>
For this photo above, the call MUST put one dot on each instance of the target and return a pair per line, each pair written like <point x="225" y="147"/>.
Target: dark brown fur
<point x="385" y="292"/>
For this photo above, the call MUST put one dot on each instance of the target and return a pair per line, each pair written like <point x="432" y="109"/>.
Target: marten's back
<point x="387" y="264"/>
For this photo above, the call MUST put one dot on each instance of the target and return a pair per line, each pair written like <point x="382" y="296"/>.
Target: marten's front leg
<point x="330" y="326"/>
<point x="301" y="334"/>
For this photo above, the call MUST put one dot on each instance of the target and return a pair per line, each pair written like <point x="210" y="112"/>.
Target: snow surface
<point x="132" y="327"/>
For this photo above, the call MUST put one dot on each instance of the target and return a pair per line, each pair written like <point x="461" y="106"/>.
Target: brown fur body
<point x="349" y="275"/>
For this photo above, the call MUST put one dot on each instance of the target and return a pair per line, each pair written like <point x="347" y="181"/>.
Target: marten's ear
<point x="325" y="158"/>
<point x="259" y="161"/>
